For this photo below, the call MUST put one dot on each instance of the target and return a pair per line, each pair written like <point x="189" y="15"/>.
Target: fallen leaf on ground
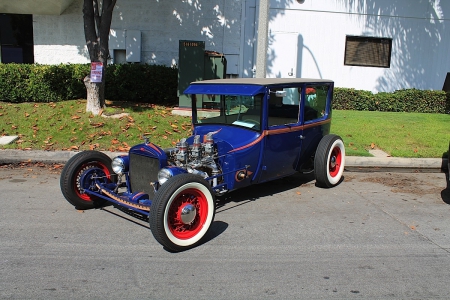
<point x="97" y="125"/>
<point x="123" y="149"/>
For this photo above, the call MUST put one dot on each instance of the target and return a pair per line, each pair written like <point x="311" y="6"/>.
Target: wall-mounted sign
<point x="96" y="71"/>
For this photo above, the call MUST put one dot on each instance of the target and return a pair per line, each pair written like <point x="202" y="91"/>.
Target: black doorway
<point x="16" y="38"/>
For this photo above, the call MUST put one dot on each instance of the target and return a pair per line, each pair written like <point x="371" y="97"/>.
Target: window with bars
<point x="368" y="51"/>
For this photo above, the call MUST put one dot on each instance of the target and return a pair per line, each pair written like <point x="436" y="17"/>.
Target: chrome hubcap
<point x="333" y="161"/>
<point x="188" y="214"/>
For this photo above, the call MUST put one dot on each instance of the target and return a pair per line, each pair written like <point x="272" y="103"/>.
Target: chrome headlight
<point x="118" y="165"/>
<point x="164" y="175"/>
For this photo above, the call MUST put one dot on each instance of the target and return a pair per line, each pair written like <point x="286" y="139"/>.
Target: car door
<point x="283" y="136"/>
<point x="315" y="121"/>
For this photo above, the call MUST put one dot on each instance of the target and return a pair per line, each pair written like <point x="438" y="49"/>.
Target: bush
<point x="158" y="84"/>
<point x="42" y="83"/>
<point x="51" y="83"/>
<point x="142" y="83"/>
<point x="13" y="82"/>
<point x="351" y="99"/>
<point x="57" y="82"/>
<point x="409" y="100"/>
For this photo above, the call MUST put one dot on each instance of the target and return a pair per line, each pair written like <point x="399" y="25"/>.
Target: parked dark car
<point x="262" y="129"/>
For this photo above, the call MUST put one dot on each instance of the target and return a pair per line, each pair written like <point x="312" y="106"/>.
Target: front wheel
<point x="329" y="161"/>
<point x="80" y="174"/>
<point x="182" y="212"/>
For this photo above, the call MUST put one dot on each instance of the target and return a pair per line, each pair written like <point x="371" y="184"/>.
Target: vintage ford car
<point x="260" y="130"/>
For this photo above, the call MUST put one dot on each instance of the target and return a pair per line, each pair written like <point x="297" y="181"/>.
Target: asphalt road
<point x="376" y="235"/>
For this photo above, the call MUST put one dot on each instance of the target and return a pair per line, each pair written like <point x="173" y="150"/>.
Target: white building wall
<point x="306" y="40"/>
<point x="309" y="39"/>
<point x="60" y="39"/>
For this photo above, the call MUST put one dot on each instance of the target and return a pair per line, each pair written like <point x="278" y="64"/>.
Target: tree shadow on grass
<point x="115" y="107"/>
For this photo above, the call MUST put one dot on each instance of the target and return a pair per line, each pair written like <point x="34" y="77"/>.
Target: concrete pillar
<point x="262" y="43"/>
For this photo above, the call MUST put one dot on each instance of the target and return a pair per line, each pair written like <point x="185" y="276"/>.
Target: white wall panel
<point x="308" y="38"/>
<point x="133" y="45"/>
<point x="117" y="39"/>
<point x="161" y="23"/>
<point x="420" y="44"/>
<point x="60" y="39"/>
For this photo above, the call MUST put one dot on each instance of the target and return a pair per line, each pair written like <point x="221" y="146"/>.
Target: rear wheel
<point x="182" y="212"/>
<point x="329" y="161"/>
<point x="79" y="174"/>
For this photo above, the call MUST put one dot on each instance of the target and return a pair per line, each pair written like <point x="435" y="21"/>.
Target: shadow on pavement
<point x="239" y="197"/>
<point x="445" y="194"/>
<point x="254" y="192"/>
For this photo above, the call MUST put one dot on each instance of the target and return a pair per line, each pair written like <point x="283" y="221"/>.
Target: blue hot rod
<point x="260" y="130"/>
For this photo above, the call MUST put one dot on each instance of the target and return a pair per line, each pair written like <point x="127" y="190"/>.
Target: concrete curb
<point x="396" y="163"/>
<point x="14" y="156"/>
<point x="353" y="163"/>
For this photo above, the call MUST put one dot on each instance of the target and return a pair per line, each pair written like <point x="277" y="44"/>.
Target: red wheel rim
<point x="335" y="161"/>
<point x="192" y="197"/>
<point x="79" y="174"/>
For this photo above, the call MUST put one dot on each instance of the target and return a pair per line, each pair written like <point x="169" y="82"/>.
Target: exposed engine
<point x="198" y="158"/>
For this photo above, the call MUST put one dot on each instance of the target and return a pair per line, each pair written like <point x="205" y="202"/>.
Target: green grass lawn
<point x="66" y="126"/>
<point x="398" y="134"/>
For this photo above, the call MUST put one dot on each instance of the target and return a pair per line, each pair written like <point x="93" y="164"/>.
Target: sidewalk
<point x="352" y="163"/>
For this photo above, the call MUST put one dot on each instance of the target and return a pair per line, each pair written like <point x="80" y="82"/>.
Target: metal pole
<point x="263" y="32"/>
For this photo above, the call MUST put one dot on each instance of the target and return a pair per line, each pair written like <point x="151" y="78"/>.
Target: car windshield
<point x="243" y="111"/>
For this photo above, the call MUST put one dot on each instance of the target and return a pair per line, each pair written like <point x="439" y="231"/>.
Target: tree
<point x="96" y="32"/>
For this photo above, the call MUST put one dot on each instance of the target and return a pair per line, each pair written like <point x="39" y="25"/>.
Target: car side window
<point x="284" y="110"/>
<point x="315" y="102"/>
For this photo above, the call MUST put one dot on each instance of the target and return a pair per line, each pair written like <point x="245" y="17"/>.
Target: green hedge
<point x="51" y="83"/>
<point x="42" y="83"/>
<point x="142" y="83"/>
<point x="410" y="100"/>
<point x="158" y="84"/>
